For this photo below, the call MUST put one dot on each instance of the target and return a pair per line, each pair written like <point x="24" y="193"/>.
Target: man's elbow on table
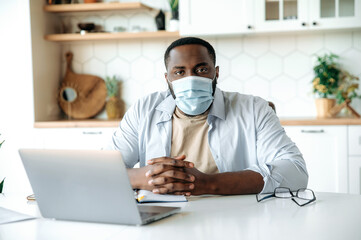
<point x="293" y="176"/>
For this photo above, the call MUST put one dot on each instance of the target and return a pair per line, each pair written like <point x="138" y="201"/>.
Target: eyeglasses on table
<point x="302" y="196"/>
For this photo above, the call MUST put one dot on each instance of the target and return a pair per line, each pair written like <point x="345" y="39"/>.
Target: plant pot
<point x="114" y="108"/>
<point x="173" y="25"/>
<point x="323" y="106"/>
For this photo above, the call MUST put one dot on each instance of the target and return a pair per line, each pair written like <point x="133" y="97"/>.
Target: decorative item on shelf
<point x="86" y="27"/>
<point x="119" y="29"/>
<point x="114" y="106"/>
<point x="51" y="2"/>
<point x="174" y="21"/>
<point x="90" y="1"/>
<point x="325" y="83"/>
<point x="344" y="95"/>
<point x="81" y="96"/>
<point x="160" y="20"/>
<point x="2" y="182"/>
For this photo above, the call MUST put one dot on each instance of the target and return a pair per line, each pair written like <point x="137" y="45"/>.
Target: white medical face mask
<point x="193" y="94"/>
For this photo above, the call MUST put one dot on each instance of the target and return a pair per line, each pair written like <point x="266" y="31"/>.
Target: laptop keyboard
<point x="145" y="215"/>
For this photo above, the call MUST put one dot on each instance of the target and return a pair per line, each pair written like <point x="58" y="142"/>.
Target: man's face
<point x="190" y="60"/>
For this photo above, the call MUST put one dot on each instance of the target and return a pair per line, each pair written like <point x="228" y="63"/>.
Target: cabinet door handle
<point x="314" y="23"/>
<point x="312" y="131"/>
<point x="92" y="133"/>
<point x="249" y="26"/>
<point x="304" y="24"/>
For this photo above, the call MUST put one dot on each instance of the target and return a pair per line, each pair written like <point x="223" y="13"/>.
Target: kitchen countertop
<point x="296" y="121"/>
<point x="319" y="121"/>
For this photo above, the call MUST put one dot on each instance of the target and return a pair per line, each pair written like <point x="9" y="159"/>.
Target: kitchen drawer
<point x="354" y="140"/>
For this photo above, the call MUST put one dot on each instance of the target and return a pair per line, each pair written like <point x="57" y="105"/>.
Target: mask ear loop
<point x="170" y="86"/>
<point x="214" y="83"/>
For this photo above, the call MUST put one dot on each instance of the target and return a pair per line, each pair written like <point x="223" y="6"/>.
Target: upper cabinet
<point x="209" y="17"/>
<point x="328" y="14"/>
<point x="202" y="17"/>
<point x="281" y="15"/>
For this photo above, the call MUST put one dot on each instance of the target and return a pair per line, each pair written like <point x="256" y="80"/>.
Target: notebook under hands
<point x="86" y="185"/>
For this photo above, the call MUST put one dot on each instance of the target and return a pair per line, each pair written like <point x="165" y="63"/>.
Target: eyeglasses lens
<point x="282" y="193"/>
<point x="305" y="194"/>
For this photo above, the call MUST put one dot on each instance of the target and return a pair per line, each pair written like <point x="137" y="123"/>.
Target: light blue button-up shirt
<point x="244" y="133"/>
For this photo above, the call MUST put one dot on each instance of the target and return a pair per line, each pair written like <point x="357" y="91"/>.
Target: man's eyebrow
<point x="179" y="67"/>
<point x="197" y="65"/>
<point x="201" y="64"/>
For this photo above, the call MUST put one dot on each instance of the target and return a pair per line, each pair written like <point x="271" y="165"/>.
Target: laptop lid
<point x="81" y="185"/>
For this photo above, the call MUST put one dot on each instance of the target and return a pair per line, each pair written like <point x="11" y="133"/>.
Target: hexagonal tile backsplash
<point x="277" y="68"/>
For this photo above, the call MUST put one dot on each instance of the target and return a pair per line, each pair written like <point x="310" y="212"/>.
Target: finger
<point x="162" y="168"/>
<point x="177" y="175"/>
<point x="169" y="177"/>
<point x="176" y="162"/>
<point x="182" y="193"/>
<point x="174" y="187"/>
<point x="158" y="169"/>
<point x="181" y="157"/>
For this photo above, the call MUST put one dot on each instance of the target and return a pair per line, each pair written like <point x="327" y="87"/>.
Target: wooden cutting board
<point x="90" y="93"/>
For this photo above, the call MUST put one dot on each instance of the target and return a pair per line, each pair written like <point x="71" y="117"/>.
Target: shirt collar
<point x="167" y="105"/>
<point x="217" y="109"/>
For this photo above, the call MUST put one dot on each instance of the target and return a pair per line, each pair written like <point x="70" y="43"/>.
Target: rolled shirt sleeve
<point x="125" y="138"/>
<point x="279" y="160"/>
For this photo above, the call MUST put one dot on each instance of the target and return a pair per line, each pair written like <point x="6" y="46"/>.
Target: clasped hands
<point x="174" y="176"/>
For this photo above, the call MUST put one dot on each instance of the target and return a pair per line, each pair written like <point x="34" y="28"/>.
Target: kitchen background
<point x="276" y="66"/>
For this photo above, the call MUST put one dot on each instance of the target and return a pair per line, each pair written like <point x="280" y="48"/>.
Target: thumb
<point x="181" y="157"/>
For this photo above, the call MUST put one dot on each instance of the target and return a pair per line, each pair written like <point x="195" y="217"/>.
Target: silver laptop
<point x="86" y="185"/>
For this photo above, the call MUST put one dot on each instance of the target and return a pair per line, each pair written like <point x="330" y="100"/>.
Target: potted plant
<point x="174" y="21"/>
<point x="2" y="182"/>
<point x="326" y="83"/>
<point x="114" y="106"/>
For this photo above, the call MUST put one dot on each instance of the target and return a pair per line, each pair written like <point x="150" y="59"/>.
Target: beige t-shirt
<point x="190" y="137"/>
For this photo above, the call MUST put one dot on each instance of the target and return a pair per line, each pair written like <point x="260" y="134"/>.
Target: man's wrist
<point x="137" y="178"/>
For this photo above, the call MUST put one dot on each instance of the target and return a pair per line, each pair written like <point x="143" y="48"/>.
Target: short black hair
<point x="189" y="41"/>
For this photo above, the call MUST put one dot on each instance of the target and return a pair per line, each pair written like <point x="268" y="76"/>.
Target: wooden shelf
<point x="90" y="123"/>
<point x="90" y="7"/>
<point x="109" y="36"/>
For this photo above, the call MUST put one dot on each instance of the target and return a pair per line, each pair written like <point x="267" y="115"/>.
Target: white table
<point x="332" y="216"/>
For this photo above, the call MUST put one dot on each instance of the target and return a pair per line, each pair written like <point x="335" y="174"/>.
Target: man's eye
<point x="178" y="72"/>
<point x="202" y="70"/>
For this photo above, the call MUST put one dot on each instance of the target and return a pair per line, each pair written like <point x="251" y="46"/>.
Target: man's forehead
<point x="187" y="54"/>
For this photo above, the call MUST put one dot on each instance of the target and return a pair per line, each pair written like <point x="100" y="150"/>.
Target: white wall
<point x="16" y="94"/>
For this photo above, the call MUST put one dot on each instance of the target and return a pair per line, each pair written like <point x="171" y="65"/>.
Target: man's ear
<point x="166" y="76"/>
<point x="217" y="72"/>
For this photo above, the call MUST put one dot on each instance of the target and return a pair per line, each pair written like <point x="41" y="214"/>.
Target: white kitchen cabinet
<point x="281" y="15"/>
<point x="327" y="14"/>
<point x="354" y="136"/>
<point x="355" y="175"/>
<point x="291" y="15"/>
<point x="212" y="17"/>
<point x="74" y="138"/>
<point x="354" y="150"/>
<point x="324" y="149"/>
